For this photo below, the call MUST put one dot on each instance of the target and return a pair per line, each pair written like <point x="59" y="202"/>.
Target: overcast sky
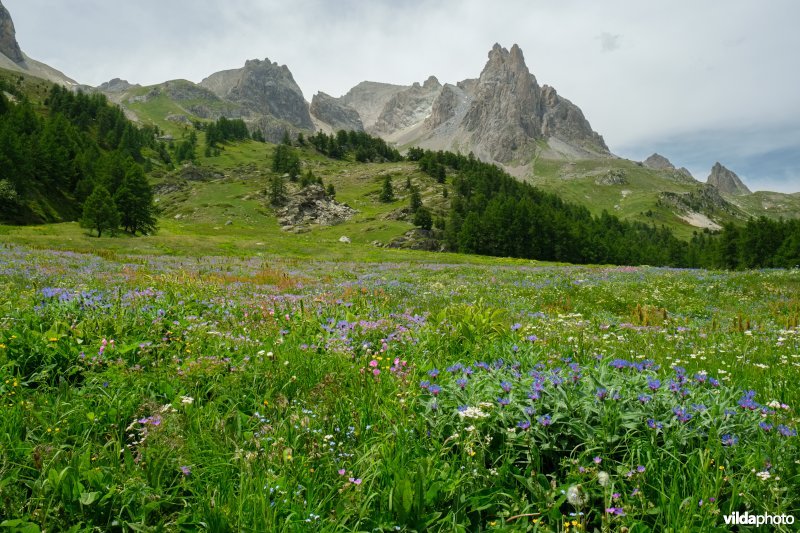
<point x="698" y="82"/>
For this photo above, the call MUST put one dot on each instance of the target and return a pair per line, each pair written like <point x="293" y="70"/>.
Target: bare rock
<point x="337" y="115"/>
<point x="9" y="46"/>
<point x="311" y="205"/>
<point x="726" y="181"/>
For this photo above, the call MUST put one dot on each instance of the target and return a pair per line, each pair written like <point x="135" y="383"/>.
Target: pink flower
<point x="376" y="372"/>
<point x="355" y="480"/>
<point x="373" y="363"/>
<point x="342" y="472"/>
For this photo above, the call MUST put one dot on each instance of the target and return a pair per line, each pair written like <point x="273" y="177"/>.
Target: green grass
<point x="292" y="391"/>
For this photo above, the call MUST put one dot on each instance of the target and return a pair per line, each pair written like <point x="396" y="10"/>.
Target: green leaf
<point x="88" y="498"/>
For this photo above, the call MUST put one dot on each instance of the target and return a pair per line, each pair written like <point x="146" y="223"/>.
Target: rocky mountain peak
<point x="726" y="181"/>
<point x="9" y="46"/>
<point x="432" y="83"/>
<point x="264" y="88"/>
<point x="658" y="162"/>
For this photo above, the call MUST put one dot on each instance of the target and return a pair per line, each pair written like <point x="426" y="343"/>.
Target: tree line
<point x="55" y="158"/>
<point x="491" y="213"/>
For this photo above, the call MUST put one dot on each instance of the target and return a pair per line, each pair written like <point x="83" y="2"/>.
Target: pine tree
<point x="423" y="218"/>
<point x="415" y="200"/>
<point x="134" y="199"/>
<point x="99" y="211"/>
<point x="387" y="192"/>
<point x="277" y="191"/>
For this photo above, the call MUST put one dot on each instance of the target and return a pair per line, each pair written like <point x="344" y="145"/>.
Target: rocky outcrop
<point x="9" y="46"/>
<point x="418" y="239"/>
<point x="263" y="88"/>
<point x="616" y="176"/>
<point x="311" y="205"/>
<point x="706" y="200"/>
<point x="726" y="181"/>
<point x="334" y="113"/>
<point x="369" y="98"/>
<point x="407" y="108"/>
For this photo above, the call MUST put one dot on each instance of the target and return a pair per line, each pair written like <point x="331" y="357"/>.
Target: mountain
<point x="503" y="116"/>
<point x="263" y="88"/>
<point x="726" y="181"/>
<point x="9" y="46"/>
<point x="331" y="115"/>
<point x="13" y="58"/>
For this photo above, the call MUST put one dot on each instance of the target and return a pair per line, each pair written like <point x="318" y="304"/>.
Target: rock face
<point x="9" y="46"/>
<point x="334" y="113"/>
<point x="406" y="108"/>
<point x="263" y="88"/>
<point x="726" y="181"/>
<point x="369" y="98"/>
<point x="311" y="205"/>
<point x="500" y="116"/>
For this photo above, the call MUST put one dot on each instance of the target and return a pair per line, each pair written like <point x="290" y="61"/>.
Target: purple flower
<point x="786" y="431"/>
<point x="342" y="471"/>
<point x="729" y="440"/>
<point x="516" y="326"/>
<point x="640" y="469"/>
<point x="434" y="373"/>
<point x="619" y="511"/>
<point x="503" y="401"/>
<point x="355" y="480"/>
<point x="461" y="382"/>
<point x="601" y="393"/>
<point x="424" y="384"/>
<point x="765" y="426"/>
<point x="545" y="420"/>
<point x="523" y="424"/>
<point x="645" y="398"/>
<point x="653" y="424"/>
<point x="597" y="460"/>
<point x="654" y="384"/>
<point x="186" y="471"/>
<point x="506" y="386"/>
<point x="435" y="389"/>
<point x="682" y="414"/>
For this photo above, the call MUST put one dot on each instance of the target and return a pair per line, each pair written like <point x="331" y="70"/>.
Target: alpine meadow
<point x="427" y="307"/>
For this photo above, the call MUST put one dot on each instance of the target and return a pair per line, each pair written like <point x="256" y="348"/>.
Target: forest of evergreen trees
<point x="492" y="213"/>
<point x="364" y="147"/>
<point x="52" y="159"/>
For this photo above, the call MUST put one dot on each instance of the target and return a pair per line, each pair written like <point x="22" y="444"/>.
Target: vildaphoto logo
<point x="758" y="520"/>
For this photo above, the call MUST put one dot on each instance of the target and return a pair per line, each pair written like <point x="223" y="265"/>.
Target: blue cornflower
<point x="545" y="420"/>
<point x="523" y="424"/>
<point x="786" y="431"/>
<point x="461" y="382"/>
<point x="729" y="440"/>
<point x="765" y="426"/>
<point x="682" y="414"/>
<point x="601" y="393"/>
<point x="654" y="384"/>
<point x="506" y="386"/>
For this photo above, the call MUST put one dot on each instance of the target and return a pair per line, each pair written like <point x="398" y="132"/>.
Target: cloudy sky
<point x="698" y="82"/>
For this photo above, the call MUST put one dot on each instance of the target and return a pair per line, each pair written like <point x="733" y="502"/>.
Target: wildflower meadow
<point x="172" y="393"/>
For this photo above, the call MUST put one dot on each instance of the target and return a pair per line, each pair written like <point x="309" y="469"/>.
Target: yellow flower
<point x="492" y="524"/>
<point x="53" y="339"/>
<point x="2" y="346"/>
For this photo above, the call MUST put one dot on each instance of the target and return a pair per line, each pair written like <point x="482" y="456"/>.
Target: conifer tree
<point x="99" y="211"/>
<point x="387" y="192"/>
